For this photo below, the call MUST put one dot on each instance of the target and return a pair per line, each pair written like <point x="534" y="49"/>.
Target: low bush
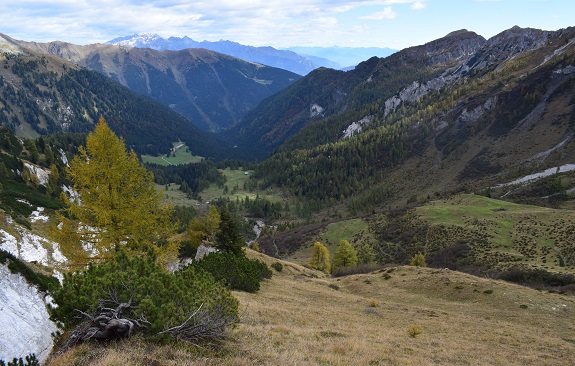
<point x="359" y="269"/>
<point x="277" y="266"/>
<point x="414" y="330"/>
<point x="29" y="360"/>
<point x="538" y="278"/>
<point x="235" y="270"/>
<point x="153" y="300"/>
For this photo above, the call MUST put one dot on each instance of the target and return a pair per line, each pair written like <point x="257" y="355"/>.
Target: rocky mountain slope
<point x="324" y="93"/>
<point x="210" y="89"/>
<point x="459" y="113"/>
<point x="282" y="59"/>
<point x="26" y="325"/>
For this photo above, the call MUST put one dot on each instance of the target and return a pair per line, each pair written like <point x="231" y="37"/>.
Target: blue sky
<point x="279" y="23"/>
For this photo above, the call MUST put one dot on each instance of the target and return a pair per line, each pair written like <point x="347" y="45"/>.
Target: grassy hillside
<point x="353" y="230"/>
<point x="506" y="234"/>
<point x="300" y="317"/>
<point x="179" y="154"/>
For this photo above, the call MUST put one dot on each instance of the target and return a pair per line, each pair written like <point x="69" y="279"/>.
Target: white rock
<point x="204" y="250"/>
<point x="43" y="175"/>
<point x="38" y="216"/>
<point x="24" y="319"/>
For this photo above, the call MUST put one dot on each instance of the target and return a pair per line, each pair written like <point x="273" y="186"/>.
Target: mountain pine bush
<point x="29" y="360"/>
<point x="155" y="300"/>
<point x="235" y="270"/>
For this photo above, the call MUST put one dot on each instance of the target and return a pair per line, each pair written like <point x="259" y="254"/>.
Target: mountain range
<point x="41" y="94"/>
<point x="348" y="57"/>
<point x="461" y="111"/>
<point x="210" y="89"/>
<point x="283" y="59"/>
<point x="477" y="106"/>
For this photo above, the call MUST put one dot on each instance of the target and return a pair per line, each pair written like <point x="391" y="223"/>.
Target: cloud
<point x="254" y="22"/>
<point x="387" y="13"/>
<point x="418" y="5"/>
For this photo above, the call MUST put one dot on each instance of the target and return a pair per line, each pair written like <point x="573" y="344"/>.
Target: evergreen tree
<point x="228" y="238"/>
<point x="118" y="205"/>
<point x="346" y="255"/>
<point x="320" y="258"/>
<point x="365" y="254"/>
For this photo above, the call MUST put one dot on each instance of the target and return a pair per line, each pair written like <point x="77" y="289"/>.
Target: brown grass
<point x="298" y="319"/>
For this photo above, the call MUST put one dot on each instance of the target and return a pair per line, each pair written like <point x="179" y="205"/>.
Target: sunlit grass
<point x="182" y="156"/>
<point x="297" y="318"/>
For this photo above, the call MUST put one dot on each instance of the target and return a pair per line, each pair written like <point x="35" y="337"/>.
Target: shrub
<point x="29" y="360"/>
<point x="362" y="268"/>
<point x="418" y="260"/>
<point x="414" y="330"/>
<point x="537" y="278"/>
<point x="372" y="304"/>
<point x="187" y="249"/>
<point x="236" y="271"/>
<point x="277" y="266"/>
<point x="155" y="299"/>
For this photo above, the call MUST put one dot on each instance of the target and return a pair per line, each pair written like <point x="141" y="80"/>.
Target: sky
<point x="396" y="24"/>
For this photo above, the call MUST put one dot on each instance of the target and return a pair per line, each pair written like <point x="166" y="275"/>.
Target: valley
<point x="459" y="151"/>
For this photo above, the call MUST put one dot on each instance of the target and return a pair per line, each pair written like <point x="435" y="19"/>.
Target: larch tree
<point x="320" y="258"/>
<point x="345" y="256"/>
<point x="418" y="260"/>
<point x="117" y="205"/>
<point x="205" y="227"/>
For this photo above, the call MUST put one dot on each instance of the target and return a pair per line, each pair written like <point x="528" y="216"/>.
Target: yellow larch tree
<point x="117" y="204"/>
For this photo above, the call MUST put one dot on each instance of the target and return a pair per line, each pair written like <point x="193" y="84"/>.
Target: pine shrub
<point x="162" y="298"/>
<point x="29" y="360"/>
<point x="235" y="270"/>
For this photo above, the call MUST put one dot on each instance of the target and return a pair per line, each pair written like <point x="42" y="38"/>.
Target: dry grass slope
<point x="300" y="317"/>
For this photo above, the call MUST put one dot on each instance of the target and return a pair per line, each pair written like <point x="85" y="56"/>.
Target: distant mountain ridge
<point x="283" y="59"/>
<point x="211" y="89"/>
<point x="348" y="57"/>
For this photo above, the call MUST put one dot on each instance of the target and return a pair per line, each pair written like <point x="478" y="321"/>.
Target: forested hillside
<point x="43" y="94"/>
<point x="210" y="89"/>
<point x="504" y="109"/>
<point x="324" y="92"/>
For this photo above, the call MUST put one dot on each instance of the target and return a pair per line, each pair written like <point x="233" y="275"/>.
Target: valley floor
<point x="301" y="317"/>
